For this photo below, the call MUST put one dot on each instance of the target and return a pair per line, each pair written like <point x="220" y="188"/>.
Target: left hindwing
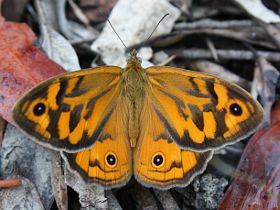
<point x="69" y="111"/>
<point x="199" y="111"/>
<point x="108" y="162"/>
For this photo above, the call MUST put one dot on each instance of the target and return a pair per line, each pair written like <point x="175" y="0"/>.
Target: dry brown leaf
<point x="256" y="180"/>
<point x="22" y="65"/>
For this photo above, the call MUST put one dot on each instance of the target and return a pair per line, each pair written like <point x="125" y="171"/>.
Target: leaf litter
<point x="212" y="36"/>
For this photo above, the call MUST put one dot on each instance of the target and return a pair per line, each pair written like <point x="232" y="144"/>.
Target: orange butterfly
<point x="160" y="124"/>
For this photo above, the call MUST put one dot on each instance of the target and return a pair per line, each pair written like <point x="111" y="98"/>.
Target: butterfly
<point x="160" y="124"/>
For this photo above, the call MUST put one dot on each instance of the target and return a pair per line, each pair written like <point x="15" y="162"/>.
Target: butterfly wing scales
<point x="92" y="163"/>
<point x="179" y="166"/>
<point x="196" y="108"/>
<point x="188" y="109"/>
<point x="76" y="107"/>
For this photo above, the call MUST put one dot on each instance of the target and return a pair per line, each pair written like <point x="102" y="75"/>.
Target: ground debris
<point x="24" y="197"/>
<point x="209" y="191"/>
<point x="30" y="160"/>
<point x="205" y="192"/>
<point x="237" y="40"/>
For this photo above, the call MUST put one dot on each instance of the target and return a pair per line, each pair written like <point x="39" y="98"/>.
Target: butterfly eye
<point x="110" y="159"/>
<point x="39" y="109"/>
<point x="139" y="59"/>
<point x="235" y="109"/>
<point x="158" y="160"/>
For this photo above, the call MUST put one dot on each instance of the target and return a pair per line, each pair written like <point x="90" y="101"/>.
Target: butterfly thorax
<point x="134" y="82"/>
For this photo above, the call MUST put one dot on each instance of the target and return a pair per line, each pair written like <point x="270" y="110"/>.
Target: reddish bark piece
<point x="10" y="183"/>
<point x="256" y="181"/>
<point x="22" y="65"/>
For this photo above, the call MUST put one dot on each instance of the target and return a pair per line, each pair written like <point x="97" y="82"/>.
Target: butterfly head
<point x="134" y="62"/>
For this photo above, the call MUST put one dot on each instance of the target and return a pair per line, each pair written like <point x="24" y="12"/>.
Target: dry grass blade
<point x="79" y="13"/>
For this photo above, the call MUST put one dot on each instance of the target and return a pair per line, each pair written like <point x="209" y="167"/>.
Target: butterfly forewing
<point x="202" y="112"/>
<point x="69" y="111"/>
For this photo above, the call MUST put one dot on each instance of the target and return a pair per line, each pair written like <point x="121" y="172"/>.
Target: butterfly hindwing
<point x="158" y="161"/>
<point x="69" y="111"/>
<point x="108" y="162"/>
<point x="202" y="112"/>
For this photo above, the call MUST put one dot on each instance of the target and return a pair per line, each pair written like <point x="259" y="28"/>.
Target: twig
<point x="58" y="183"/>
<point x="2" y="128"/>
<point x="208" y="23"/>
<point x="171" y="58"/>
<point x="273" y="32"/>
<point x="256" y="36"/>
<point x="251" y="36"/>
<point x="212" y="49"/>
<point x="79" y="13"/>
<point x="265" y="81"/>
<point x="223" y="54"/>
<point x="10" y="183"/>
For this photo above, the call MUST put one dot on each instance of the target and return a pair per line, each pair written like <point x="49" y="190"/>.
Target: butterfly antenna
<point x="113" y="28"/>
<point x="117" y="34"/>
<point x="155" y="29"/>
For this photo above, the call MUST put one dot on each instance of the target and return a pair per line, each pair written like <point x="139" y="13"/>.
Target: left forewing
<point x="68" y="112"/>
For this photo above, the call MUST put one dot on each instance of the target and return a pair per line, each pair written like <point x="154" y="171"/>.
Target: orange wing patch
<point x="158" y="161"/>
<point x="68" y="112"/>
<point x="202" y="112"/>
<point x="109" y="161"/>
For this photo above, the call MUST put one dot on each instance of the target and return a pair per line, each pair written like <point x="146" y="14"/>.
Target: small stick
<point x="223" y="54"/>
<point x="79" y="13"/>
<point x="2" y="129"/>
<point x="10" y="183"/>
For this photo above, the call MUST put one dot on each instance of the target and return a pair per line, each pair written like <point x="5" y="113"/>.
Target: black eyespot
<point x="111" y="159"/>
<point x="39" y="109"/>
<point x="158" y="160"/>
<point x="235" y="109"/>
